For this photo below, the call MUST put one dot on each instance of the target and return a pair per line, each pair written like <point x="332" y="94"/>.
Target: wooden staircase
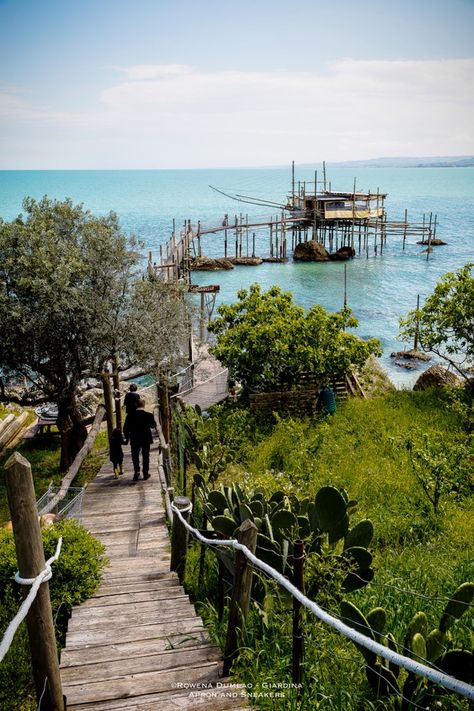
<point x="138" y="643"/>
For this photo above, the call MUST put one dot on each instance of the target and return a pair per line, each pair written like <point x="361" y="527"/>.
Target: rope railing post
<point x="31" y="562"/>
<point x="220" y="590"/>
<point x="241" y="589"/>
<point x="419" y="668"/>
<point x="298" y="582"/>
<point x="179" y="536"/>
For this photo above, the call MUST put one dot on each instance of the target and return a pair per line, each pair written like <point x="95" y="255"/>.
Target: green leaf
<point x="330" y="507"/>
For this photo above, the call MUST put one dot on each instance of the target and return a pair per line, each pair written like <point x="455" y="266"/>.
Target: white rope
<point x="27" y="602"/>
<point x="411" y="665"/>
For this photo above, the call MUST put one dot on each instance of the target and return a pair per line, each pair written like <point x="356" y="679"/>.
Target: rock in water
<point x="310" y="251"/>
<point x="210" y="265"/>
<point x="342" y="254"/>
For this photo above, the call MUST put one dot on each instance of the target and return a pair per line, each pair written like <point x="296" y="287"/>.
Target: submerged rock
<point x="246" y="261"/>
<point x="433" y="242"/>
<point x="411" y="355"/>
<point x="342" y="254"/>
<point x="310" y="251"/>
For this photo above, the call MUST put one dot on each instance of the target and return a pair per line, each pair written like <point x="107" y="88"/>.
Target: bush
<point x="76" y="577"/>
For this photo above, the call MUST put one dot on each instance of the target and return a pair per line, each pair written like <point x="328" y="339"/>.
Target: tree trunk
<point x="73" y="431"/>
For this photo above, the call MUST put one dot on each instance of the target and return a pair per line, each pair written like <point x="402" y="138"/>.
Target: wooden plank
<point x="123" y="522"/>
<point x="133" y="613"/>
<point x="151" y="574"/>
<point x="115" y="668"/>
<point x="146" y="533"/>
<point x="163" y="582"/>
<point x="128" y="609"/>
<point x="142" y="568"/>
<point x="131" y="634"/>
<point x="118" y="552"/>
<point x="142" y="684"/>
<point x="210" y="699"/>
<point x="193" y="637"/>
<point x="166" y="593"/>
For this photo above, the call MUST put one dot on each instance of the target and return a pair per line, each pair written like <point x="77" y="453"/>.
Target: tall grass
<point x="419" y="557"/>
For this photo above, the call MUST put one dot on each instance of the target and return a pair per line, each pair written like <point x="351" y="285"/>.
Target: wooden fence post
<point x="241" y="589"/>
<point x="117" y="396"/>
<point x="298" y="582"/>
<point x="31" y="561"/>
<point x="108" y="400"/>
<point x="179" y="537"/>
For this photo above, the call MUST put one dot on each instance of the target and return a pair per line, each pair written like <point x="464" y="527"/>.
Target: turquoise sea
<point x="380" y="289"/>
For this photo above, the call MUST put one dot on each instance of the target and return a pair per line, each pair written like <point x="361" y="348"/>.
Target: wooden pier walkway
<point x="138" y="643"/>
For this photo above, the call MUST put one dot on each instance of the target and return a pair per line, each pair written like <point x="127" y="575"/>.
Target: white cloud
<point x="177" y="115"/>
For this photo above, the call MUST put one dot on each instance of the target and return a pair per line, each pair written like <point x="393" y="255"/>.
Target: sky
<point x="115" y="84"/>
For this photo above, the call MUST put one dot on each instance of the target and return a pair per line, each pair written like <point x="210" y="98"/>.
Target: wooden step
<point x="83" y="638"/>
<point x="130" y="615"/>
<point x="190" y="636"/>
<point x="131" y="685"/>
<point x="117" y="600"/>
<point x="115" y="668"/>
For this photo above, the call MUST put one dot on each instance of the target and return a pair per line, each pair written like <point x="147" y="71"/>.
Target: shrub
<point x="76" y="577"/>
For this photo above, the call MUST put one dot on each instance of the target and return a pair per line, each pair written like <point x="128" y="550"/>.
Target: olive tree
<point x="269" y="342"/>
<point x="72" y="296"/>
<point x="444" y="325"/>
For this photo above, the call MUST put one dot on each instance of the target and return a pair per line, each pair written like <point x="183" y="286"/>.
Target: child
<point x="116" y="453"/>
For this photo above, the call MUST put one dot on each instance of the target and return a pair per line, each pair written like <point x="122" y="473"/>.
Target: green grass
<point x="419" y="557"/>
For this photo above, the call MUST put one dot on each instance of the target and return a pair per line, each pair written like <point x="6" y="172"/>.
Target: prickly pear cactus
<point x="423" y="646"/>
<point x="281" y="520"/>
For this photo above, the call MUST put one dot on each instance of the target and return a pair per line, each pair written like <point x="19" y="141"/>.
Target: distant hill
<point x="406" y="162"/>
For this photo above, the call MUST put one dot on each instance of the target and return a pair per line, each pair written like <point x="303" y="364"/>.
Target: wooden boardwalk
<point x="138" y="643"/>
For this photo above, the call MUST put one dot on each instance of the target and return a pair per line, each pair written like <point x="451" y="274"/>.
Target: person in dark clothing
<point x="137" y="429"/>
<point x="116" y="452"/>
<point x="131" y="399"/>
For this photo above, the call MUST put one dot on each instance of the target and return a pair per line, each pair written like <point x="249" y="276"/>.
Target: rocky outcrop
<point x="410" y="355"/>
<point x="208" y="264"/>
<point x="310" y="251"/>
<point x="246" y="261"/>
<point x="436" y="377"/>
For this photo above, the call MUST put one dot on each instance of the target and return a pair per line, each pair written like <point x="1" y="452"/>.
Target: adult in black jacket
<point x="137" y="429"/>
<point x="131" y="399"/>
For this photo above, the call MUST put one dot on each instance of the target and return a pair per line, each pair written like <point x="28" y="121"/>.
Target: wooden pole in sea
<point x="417" y="324"/>
<point x="236" y="227"/>
<point x="345" y="285"/>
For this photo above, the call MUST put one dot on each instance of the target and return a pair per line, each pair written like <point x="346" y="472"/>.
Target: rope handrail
<point x="411" y="665"/>
<point x="35" y="583"/>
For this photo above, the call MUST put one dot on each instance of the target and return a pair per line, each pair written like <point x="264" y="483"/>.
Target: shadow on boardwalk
<point x="138" y="643"/>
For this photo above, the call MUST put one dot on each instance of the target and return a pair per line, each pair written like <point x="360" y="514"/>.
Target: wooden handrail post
<point x="220" y="591"/>
<point x="179" y="537"/>
<point x="31" y="561"/>
<point x="241" y="589"/>
<point x="298" y="581"/>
